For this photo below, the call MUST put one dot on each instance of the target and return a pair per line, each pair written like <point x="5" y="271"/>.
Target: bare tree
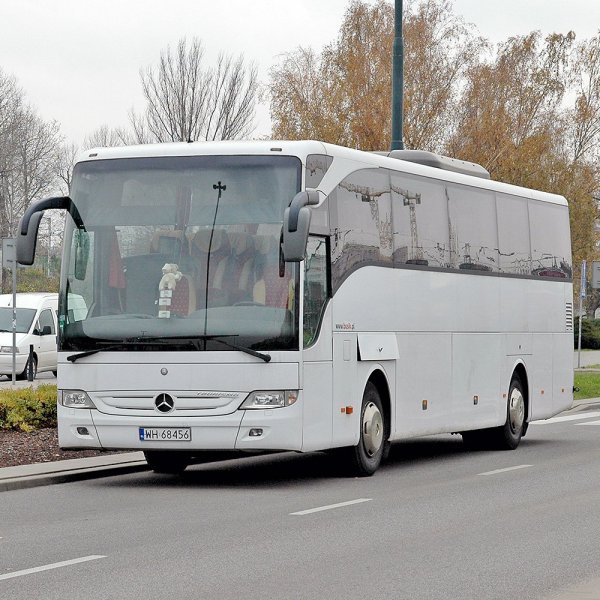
<point x="186" y="101"/>
<point x="584" y="118"/>
<point x="67" y="156"/>
<point x="28" y="155"/>
<point x="37" y="145"/>
<point x="11" y="98"/>
<point x="105" y="137"/>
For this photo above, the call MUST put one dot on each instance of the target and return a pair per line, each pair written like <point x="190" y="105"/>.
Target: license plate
<point x="165" y="434"/>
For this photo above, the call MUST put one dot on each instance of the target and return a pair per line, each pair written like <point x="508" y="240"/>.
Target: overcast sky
<point x="78" y="61"/>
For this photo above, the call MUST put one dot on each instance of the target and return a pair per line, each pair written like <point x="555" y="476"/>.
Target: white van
<point x="36" y="325"/>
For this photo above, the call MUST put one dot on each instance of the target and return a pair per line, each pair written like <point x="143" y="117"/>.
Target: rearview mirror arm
<point x="57" y="202"/>
<point x="309" y="197"/>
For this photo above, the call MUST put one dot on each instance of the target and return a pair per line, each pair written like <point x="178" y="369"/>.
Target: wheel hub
<point x="516" y="410"/>
<point x="372" y="429"/>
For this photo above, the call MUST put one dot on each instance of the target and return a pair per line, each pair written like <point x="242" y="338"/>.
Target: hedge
<point x="590" y="334"/>
<point x="26" y="409"/>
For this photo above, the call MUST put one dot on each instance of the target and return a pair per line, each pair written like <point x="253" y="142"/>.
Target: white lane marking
<point x="589" y="423"/>
<point x="577" y="417"/>
<point x="505" y="470"/>
<point x="330" y="506"/>
<point x="58" y="565"/>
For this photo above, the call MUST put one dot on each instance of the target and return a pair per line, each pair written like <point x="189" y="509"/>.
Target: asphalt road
<point x="435" y="522"/>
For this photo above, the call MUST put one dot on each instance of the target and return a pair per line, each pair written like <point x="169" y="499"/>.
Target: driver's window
<point x="315" y="287"/>
<point x="81" y="282"/>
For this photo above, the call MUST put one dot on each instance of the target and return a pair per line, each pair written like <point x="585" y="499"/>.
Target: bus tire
<point x="168" y="463"/>
<point x="508" y="436"/>
<point x="364" y="458"/>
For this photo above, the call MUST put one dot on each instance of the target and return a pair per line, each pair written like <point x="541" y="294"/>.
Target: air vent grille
<point x="569" y="316"/>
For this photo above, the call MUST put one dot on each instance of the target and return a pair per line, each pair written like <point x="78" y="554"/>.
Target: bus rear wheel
<point x="168" y="463"/>
<point x="364" y="458"/>
<point x="509" y="435"/>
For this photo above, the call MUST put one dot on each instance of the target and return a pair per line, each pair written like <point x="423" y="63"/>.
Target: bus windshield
<point x="180" y="249"/>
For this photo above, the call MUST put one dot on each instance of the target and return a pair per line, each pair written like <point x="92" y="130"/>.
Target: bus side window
<point x="315" y="287"/>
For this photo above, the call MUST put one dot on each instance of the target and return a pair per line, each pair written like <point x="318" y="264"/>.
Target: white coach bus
<point x="264" y="296"/>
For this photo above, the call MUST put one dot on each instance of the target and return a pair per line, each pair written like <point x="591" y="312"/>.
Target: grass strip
<point x="587" y="385"/>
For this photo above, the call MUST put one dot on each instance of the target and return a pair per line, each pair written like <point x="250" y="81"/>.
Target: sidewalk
<point x="77" y="469"/>
<point x="588" y="357"/>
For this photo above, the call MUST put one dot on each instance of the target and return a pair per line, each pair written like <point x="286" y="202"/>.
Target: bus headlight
<point x="75" y="399"/>
<point x="270" y="399"/>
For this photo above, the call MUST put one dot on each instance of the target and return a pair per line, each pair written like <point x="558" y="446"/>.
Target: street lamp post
<point x="398" y="81"/>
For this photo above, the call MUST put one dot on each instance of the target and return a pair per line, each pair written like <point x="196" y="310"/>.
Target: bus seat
<point x="239" y="274"/>
<point x="142" y="274"/>
<point x="208" y="252"/>
<point x="183" y="301"/>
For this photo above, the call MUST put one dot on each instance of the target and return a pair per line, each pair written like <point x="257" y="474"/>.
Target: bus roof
<point x="352" y="159"/>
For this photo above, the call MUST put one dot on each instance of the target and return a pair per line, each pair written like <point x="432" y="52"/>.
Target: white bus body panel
<point x="445" y="380"/>
<point x="208" y="389"/>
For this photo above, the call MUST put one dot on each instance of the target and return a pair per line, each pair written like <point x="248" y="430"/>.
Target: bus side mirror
<point x="30" y="223"/>
<point x="27" y="242"/>
<point x="296" y="223"/>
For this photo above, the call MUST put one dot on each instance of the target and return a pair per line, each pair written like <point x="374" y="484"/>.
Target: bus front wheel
<point x="169" y="463"/>
<point x="364" y="458"/>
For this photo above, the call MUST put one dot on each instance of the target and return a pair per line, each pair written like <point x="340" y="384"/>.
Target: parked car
<point x="36" y="325"/>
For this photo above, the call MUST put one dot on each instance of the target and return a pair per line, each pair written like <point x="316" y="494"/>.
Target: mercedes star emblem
<point x="164" y="403"/>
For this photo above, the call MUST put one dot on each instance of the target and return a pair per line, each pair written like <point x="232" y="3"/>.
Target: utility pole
<point x="582" y="294"/>
<point x="49" y="239"/>
<point x="398" y="81"/>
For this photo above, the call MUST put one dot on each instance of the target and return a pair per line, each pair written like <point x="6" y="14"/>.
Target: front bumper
<point x="281" y="430"/>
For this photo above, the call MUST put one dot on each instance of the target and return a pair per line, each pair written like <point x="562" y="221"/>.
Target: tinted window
<point x="420" y="210"/>
<point x="550" y="244"/>
<point x="361" y="222"/>
<point x="316" y="167"/>
<point x="315" y="286"/>
<point x="473" y="229"/>
<point x="513" y="235"/>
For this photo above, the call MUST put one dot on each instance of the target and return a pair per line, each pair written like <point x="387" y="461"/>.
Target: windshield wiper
<point x="115" y="345"/>
<point x="217" y="338"/>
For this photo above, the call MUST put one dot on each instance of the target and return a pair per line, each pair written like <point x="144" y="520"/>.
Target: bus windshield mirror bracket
<point x="30" y="222"/>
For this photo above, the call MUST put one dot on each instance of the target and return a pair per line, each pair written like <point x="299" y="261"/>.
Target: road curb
<point x="31" y="481"/>
<point x="577" y="404"/>
<point x="64" y="471"/>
